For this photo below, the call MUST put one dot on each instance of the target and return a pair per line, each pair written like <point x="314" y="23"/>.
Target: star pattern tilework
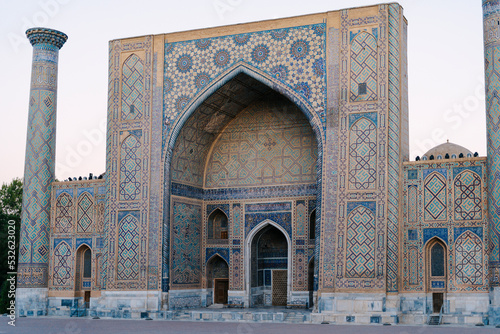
<point x="295" y="56"/>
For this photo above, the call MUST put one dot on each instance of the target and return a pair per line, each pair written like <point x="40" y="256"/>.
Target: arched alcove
<point x="261" y="123"/>
<point x="436" y="272"/>
<point x="83" y="282"/>
<point x="268" y="258"/>
<point x="218" y="279"/>
<point x="217" y="225"/>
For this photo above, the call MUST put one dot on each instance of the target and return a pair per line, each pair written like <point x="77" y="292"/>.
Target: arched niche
<point x="217" y="225"/>
<point x="192" y="135"/>
<point x="268" y="257"/>
<point x="218" y="278"/>
<point x="436" y="272"/>
<point x="83" y="281"/>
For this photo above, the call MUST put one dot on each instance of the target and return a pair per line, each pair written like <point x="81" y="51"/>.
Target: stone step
<point x="182" y="316"/>
<point x="296" y="318"/>
<point x="434" y="320"/>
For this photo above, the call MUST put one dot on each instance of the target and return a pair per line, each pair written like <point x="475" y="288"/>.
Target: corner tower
<point x="39" y="171"/>
<point x="491" y="24"/>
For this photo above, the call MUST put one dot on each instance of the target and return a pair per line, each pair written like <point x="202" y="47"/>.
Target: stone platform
<point x="267" y="314"/>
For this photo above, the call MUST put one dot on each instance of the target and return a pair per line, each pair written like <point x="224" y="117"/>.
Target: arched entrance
<point x="436" y="273"/>
<point x="218" y="279"/>
<point x="241" y="137"/>
<point x="83" y="273"/>
<point x="268" y="276"/>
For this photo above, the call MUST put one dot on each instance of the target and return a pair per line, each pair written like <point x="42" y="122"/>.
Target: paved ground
<point x="88" y="326"/>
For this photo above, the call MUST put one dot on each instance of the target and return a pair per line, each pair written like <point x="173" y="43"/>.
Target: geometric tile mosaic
<point x="363" y="154"/>
<point x="469" y="259"/>
<point x="186" y="244"/>
<point x="254" y="151"/>
<point x="412" y="204"/>
<point x="85" y="213"/>
<point x="63" y="219"/>
<point x="413" y="265"/>
<point x="130" y="167"/>
<point x="132" y="88"/>
<point x="435" y="197"/>
<point x="364" y="66"/>
<point x="360" y="256"/>
<point x="294" y="56"/>
<point x="467" y="196"/>
<point x="128" y="248"/>
<point x="62" y="264"/>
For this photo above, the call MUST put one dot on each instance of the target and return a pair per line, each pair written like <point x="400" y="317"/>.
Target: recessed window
<point x="362" y="88"/>
<point x="217" y="225"/>
<point x="87" y="266"/>
<point x="437" y="260"/>
<point x="132" y="108"/>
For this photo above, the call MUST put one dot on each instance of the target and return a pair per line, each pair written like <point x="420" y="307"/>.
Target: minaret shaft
<point x="39" y="165"/>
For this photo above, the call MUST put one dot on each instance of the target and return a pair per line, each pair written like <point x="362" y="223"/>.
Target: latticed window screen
<point x="87" y="266"/>
<point x="437" y="260"/>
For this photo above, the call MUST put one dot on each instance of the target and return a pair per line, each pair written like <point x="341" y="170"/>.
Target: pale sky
<point x="445" y="54"/>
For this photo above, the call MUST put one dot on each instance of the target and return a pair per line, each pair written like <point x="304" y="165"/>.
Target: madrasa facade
<point x="263" y="164"/>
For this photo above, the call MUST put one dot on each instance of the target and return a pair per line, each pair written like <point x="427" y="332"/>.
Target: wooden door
<point x="279" y="287"/>
<point x="86" y="298"/>
<point x="220" y="290"/>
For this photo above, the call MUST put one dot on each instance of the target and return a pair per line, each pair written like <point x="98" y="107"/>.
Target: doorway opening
<point x="437" y="302"/>
<point x="436" y="272"/>
<point x="269" y="268"/>
<point x="83" y="282"/>
<point x="218" y="279"/>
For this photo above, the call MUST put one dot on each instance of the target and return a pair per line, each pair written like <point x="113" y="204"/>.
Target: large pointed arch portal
<point x="192" y="178"/>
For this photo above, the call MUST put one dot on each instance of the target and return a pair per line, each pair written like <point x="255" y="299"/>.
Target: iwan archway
<point x="240" y="141"/>
<point x="269" y="274"/>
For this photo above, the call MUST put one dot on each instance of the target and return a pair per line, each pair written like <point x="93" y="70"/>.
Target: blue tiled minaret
<point x="491" y="22"/>
<point x="38" y="172"/>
